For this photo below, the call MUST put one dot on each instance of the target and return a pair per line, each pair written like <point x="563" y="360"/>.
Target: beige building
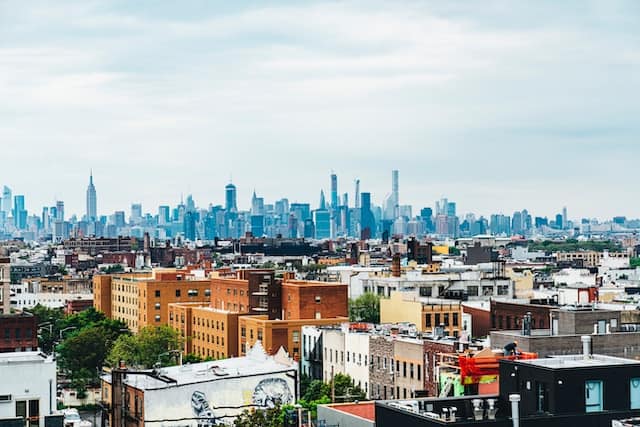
<point x="425" y="313"/>
<point x="142" y="299"/>
<point x="409" y="367"/>
<point x="5" y="279"/>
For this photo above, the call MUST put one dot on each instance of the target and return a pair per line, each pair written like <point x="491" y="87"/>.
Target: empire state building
<point x="92" y="214"/>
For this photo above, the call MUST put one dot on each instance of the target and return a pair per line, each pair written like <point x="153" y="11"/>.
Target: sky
<point x="497" y="105"/>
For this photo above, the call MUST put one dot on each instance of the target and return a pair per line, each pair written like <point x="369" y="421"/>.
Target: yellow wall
<point x="394" y="309"/>
<point x="441" y="250"/>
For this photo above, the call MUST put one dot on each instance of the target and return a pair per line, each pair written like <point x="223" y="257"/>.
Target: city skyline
<point x="228" y="197"/>
<point x="496" y="105"/>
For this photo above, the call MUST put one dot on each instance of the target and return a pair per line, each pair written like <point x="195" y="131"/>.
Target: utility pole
<point x="333" y="387"/>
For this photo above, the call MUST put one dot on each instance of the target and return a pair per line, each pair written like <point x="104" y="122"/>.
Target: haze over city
<point x="497" y="105"/>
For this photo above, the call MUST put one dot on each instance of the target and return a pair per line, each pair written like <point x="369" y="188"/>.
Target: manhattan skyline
<point x="93" y="209"/>
<point x="497" y="105"/>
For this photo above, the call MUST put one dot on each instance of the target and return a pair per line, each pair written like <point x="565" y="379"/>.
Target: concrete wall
<point x="357" y="363"/>
<point x="332" y="353"/>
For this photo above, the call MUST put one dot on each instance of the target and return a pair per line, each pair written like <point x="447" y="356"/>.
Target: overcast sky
<point x="498" y="105"/>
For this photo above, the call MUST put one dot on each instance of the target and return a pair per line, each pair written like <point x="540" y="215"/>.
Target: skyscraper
<point x="6" y="200"/>
<point x="19" y="212"/>
<point x="92" y="213"/>
<point x="59" y="210"/>
<point x="334" y="191"/>
<point x="230" y="198"/>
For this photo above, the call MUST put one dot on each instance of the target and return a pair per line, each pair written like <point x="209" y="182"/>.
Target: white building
<point x="354" y="275"/>
<point x="209" y="393"/>
<point x="27" y="295"/>
<point x="311" y="361"/>
<point x="27" y="386"/>
<point x="346" y="352"/>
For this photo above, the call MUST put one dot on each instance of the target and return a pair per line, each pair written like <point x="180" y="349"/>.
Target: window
<point x="593" y="396"/>
<point x="260" y="334"/>
<point x="177" y="293"/>
<point x="243" y="332"/>
<point x="635" y="393"/>
<point x="437" y="319"/>
<point x="207" y="292"/>
<point x="427" y="320"/>
<point x="296" y="337"/>
<point x="158" y="293"/>
<point x="419" y="371"/>
<point x="317" y="299"/>
<point x="446" y="319"/>
<point x="411" y="370"/>
<point x="157" y="318"/>
<point x="404" y="369"/>
<point x="455" y="319"/>
<point x="157" y="306"/>
<point x="542" y="397"/>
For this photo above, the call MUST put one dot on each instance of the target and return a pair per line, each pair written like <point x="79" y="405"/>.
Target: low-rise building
<point x="27" y="387"/>
<point x="425" y="313"/>
<point x="201" y="394"/>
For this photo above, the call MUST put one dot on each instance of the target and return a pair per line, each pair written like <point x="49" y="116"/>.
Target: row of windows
<point x="190" y="292"/>
<point x="243" y="333"/>
<point x="201" y="336"/>
<point x="18" y="333"/>
<point x="442" y="318"/>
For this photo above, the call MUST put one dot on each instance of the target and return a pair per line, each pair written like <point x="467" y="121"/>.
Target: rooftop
<point x="365" y="410"/>
<point x="256" y="362"/>
<point x="24" y="357"/>
<point x="578" y="361"/>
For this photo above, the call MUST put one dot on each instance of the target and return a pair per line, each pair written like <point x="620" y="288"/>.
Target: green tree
<point x="365" y="308"/>
<point x="260" y="418"/>
<point x="634" y="262"/>
<point x="146" y="348"/>
<point x="346" y="390"/>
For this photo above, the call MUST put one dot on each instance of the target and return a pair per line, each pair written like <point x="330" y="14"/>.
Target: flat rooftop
<point x="23" y="357"/>
<point x="255" y="363"/>
<point x="365" y="410"/>
<point x="578" y="361"/>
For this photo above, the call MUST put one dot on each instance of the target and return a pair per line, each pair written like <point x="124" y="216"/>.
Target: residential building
<point x="18" y="332"/>
<point x="28" y="387"/>
<point x="201" y="394"/>
<point x="575" y="390"/>
<point x="142" y="299"/>
<point x="425" y="313"/>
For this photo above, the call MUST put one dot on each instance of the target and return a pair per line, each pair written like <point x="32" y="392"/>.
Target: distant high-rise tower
<point x="323" y="203"/>
<point x="357" y="195"/>
<point x="92" y="208"/>
<point x="60" y="211"/>
<point x="334" y="191"/>
<point x="230" y="198"/>
<point x="395" y="188"/>
<point x="565" y="221"/>
<point x="6" y="200"/>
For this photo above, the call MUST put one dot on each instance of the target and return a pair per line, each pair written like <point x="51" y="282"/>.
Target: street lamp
<point x="66" y="329"/>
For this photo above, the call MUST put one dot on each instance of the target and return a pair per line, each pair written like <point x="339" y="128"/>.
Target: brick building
<point x="142" y="299"/>
<point x="19" y="332"/>
<point x="508" y="315"/>
<point x="432" y="351"/>
<point x="381" y="377"/>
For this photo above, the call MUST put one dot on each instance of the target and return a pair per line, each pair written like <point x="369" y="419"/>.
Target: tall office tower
<point x="323" y="203"/>
<point x="357" y="195"/>
<point x="164" y="215"/>
<point x="6" y="201"/>
<point x="345" y="200"/>
<point x="451" y="209"/>
<point x="334" y="191"/>
<point x="230" y="198"/>
<point x="565" y="223"/>
<point x="46" y="223"/>
<point x="92" y="207"/>
<point x="395" y="191"/>
<point x="367" y="220"/>
<point x="136" y="213"/>
<point x="191" y="204"/>
<point x="59" y="210"/>
<point x="19" y="212"/>
<point x="118" y="219"/>
<point x="257" y="204"/>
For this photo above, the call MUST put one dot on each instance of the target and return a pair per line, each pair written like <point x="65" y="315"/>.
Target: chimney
<point x="586" y="346"/>
<point x="395" y="266"/>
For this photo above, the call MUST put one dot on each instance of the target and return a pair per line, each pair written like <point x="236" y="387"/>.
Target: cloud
<point x="161" y="98"/>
